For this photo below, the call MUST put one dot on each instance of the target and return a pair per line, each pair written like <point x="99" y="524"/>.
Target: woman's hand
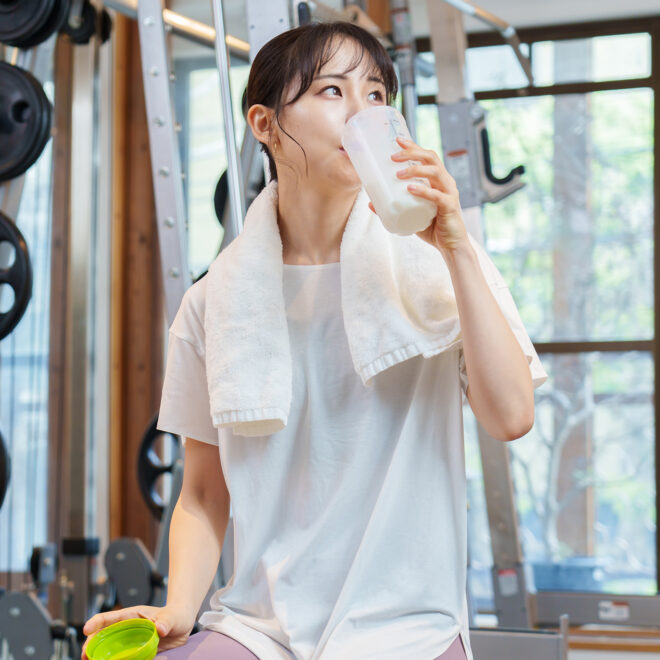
<point x="172" y="623"/>
<point x="447" y="230"/>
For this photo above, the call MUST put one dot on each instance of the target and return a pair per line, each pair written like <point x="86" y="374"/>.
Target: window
<point x="24" y="383"/>
<point x="576" y="248"/>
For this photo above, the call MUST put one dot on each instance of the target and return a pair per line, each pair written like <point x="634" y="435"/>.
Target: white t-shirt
<point x="350" y="523"/>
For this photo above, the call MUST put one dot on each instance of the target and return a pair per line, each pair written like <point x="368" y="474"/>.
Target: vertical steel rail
<point x="235" y="177"/>
<point x="402" y="35"/>
<point x="165" y="158"/>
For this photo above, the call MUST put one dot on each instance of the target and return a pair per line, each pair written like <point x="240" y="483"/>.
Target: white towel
<point x="397" y="301"/>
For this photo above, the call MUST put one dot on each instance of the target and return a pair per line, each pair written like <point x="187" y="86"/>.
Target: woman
<point x="346" y="477"/>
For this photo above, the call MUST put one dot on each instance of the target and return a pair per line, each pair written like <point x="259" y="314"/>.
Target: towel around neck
<point x="397" y="300"/>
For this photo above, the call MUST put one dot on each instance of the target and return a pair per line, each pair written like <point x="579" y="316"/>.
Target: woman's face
<point x="317" y="118"/>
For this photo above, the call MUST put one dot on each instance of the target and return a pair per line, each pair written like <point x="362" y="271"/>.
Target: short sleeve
<point x="185" y="408"/>
<point x="504" y="299"/>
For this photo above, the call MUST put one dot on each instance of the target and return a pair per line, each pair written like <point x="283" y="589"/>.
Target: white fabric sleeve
<point x="184" y="407"/>
<point x="504" y="299"/>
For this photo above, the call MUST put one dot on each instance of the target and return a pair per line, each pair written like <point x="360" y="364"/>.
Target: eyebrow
<point x="343" y="77"/>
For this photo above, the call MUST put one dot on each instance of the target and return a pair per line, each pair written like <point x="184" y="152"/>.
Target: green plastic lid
<point x="131" y="639"/>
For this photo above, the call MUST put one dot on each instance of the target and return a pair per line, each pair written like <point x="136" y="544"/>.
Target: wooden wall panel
<point x="137" y="305"/>
<point x="58" y="444"/>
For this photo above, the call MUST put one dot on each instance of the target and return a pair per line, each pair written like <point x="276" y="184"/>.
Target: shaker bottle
<point x="369" y="139"/>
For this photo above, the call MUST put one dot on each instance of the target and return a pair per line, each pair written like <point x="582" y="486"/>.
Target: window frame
<point x="651" y="26"/>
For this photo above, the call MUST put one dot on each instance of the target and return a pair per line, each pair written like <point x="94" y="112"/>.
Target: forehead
<point x="349" y="58"/>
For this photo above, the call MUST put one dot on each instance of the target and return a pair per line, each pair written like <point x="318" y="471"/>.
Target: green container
<point x="132" y="639"/>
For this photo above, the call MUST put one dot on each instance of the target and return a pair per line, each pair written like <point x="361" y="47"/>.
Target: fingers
<point x="163" y="623"/>
<point x="436" y="169"/>
<point x="444" y="201"/>
<point x="431" y="173"/>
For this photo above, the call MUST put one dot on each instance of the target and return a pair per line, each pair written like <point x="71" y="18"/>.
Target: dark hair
<point x="300" y="53"/>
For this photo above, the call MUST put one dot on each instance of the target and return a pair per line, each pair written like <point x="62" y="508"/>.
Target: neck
<point x="312" y="222"/>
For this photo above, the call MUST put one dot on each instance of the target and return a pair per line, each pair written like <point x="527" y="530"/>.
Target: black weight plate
<point x="105" y="26"/>
<point x="18" y="276"/>
<point x="25" y="120"/>
<point x="82" y="33"/>
<point x="36" y="109"/>
<point x="20" y="20"/>
<point x="5" y="469"/>
<point x="40" y="134"/>
<point x="220" y="197"/>
<point x="150" y="467"/>
<point x="43" y="130"/>
<point x="56" y="20"/>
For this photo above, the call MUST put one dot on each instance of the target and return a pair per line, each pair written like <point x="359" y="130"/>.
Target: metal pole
<point x="184" y="27"/>
<point x="506" y="30"/>
<point x="405" y="58"/>
<point x="165" y="159"/>
<point x="236" y="196"/>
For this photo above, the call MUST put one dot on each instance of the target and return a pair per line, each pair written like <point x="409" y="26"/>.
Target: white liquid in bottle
<point x="369" y="139"/>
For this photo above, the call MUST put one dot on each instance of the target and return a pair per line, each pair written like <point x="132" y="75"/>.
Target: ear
<point x="259" y="119"/>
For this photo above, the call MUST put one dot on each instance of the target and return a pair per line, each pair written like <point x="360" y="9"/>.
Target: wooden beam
<point x="379" y="12"/>
<point x="137" y="305"/>
<point x="59" y="292"/>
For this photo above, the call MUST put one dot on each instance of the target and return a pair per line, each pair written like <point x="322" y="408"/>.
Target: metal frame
<point x="586" y="607"/>
<point x="501" y="644"/>
<point x="183" y="26"/>
<point x="165" y="156"/>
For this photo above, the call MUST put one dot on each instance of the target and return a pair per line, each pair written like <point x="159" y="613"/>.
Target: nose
<point x="356" y="105"/>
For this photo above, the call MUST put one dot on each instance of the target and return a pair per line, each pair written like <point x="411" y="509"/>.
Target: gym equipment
<point x="30" y="633"/>
<point x="466" y="151"/>
<point x="220" y="197"/>
<point x="502" y="644"/>
<point x="26" y="23"/>
<point x="404" y="55"/>
<point x="90" y="21"/>
<point x="43" y="568"/>
<point x="133" y="573"/>
<point x="25" y="120"/>
<point x="150" y="467"/>
<point x="82" y="27"/>
<point x="5" y="469"/>
<point x="18" y="275"/>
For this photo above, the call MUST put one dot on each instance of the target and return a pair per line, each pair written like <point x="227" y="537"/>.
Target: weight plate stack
<point x="55" y="22"/>
<point x="26" y="23"/>
<point x="150" y="467"/>
<point x="25" y="120"/>
<point x="18" y="276"/>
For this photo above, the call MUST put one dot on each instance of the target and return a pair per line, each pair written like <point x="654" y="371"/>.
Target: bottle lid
<point x="131" y="639"/>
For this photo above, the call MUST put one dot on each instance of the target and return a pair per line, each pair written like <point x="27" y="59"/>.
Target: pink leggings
<point x="209" y="645"/>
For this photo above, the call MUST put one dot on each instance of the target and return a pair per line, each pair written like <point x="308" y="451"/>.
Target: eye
<point x="380" y="95"/>
<point x="331" y="87"/>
